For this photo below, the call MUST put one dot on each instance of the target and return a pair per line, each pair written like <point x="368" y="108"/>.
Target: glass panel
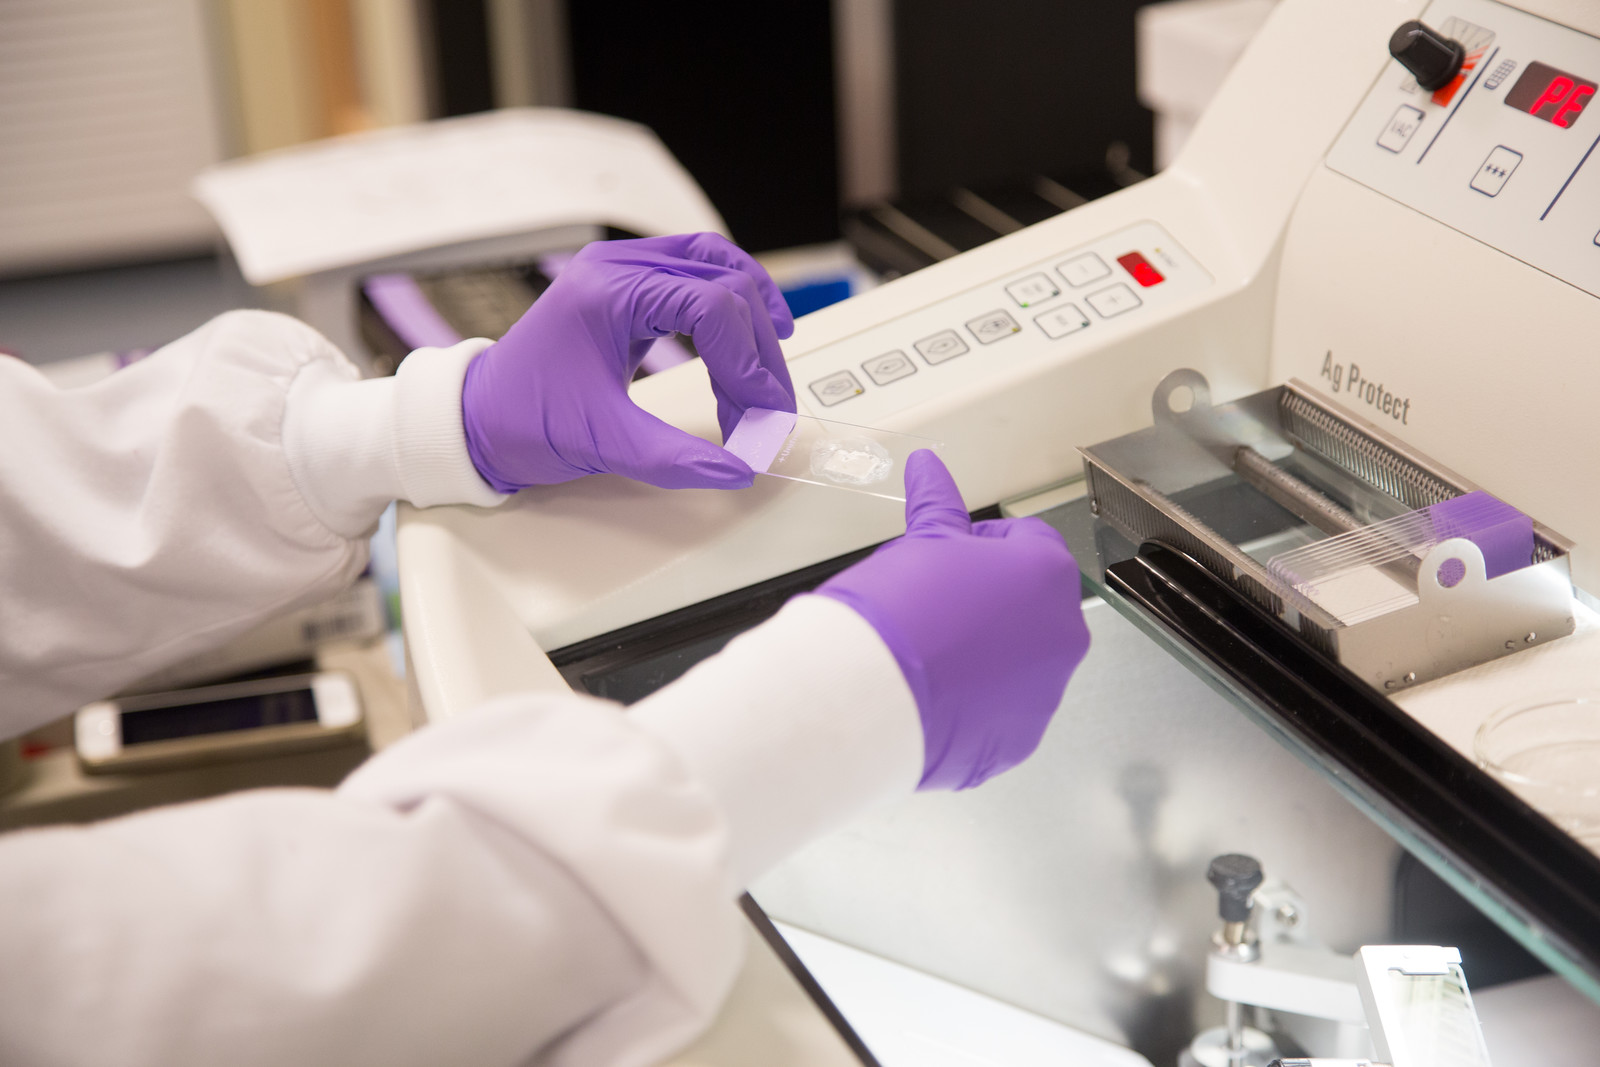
<point x="1097" y="547"/>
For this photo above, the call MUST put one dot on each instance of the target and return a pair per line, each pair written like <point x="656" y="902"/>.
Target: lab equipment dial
<point x="1431" y="57"/>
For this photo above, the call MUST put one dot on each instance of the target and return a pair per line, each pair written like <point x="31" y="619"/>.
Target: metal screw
<point x="1531" y="637"/>
<point x="1410" y="677"/>
<point x="1094" y="507"/>
<point x="1288" y="916"/>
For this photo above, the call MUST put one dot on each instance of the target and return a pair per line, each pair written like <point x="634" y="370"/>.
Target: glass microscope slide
<point x="799" y="448"/>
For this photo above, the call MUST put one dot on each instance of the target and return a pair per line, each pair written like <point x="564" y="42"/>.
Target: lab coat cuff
<point x="431" y="443"/>
<point x="354" y="445"/>
<point x="797" y="727"/>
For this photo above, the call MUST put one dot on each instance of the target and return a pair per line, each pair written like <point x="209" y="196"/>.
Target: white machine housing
<point x="310" y="222"/>
<point x="1288" y="249"/>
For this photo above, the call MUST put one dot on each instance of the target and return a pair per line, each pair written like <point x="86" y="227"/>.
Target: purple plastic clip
<point x="1502" y="533"/>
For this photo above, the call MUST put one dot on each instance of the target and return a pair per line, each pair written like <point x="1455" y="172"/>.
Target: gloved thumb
<point x="649" y="450"/>
<point x="933" y="503"/>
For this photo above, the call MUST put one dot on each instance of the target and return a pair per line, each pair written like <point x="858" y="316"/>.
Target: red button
<point x="1143" y="273"/>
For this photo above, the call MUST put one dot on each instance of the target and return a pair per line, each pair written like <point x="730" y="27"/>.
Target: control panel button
<point x="1398" y="133"/>
<point x="1109" y="303"/>
<point x="1143" y="273"/>
<point x="889" y="367"/>
<point x="1499" y="74"/>
<point x="993" y="327"/>
<point x="1496" y="170"/>
<point x="1081" y="270"/>
<point x="836" y="388"/>
<point x="946" y="344"/>
<point x="1058" y="322"/>
<point x="1034" y="289"/>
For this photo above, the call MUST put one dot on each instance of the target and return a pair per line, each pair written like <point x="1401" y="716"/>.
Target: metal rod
<point x="914" y="233"/>
<point x="1292" y="494"/>
<point x="976" y="207"/>
<point x="1235" y="1032"/>
<point x="1309" y="505"/>
<point x="1057" y="194"/>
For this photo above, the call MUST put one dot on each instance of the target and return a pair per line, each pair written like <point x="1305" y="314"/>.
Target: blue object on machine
<point x="804" y="299"/>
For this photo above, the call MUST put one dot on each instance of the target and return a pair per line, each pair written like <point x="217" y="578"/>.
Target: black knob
<point x="1427" y="53"/>
<point x="1235" y="877"/>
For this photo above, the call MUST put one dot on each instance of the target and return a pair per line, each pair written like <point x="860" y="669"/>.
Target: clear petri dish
<point x="1547" y="751"/>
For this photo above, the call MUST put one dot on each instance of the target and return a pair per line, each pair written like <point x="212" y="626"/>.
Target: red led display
<point x="1550" y="94"/>
<point x="1143" y="273"/>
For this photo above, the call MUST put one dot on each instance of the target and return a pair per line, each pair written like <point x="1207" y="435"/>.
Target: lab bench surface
<point x="54" y="788"/>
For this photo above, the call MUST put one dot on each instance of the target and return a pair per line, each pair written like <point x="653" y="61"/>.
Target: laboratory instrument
<point x="377" y="230"/>
<point x="1400" y="1005"/>
<point x="212" y="724"/>
<point x="1377" y="557"/>
<point x="1420" y="268"/>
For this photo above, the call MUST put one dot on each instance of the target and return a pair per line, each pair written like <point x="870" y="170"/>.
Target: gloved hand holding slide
<point x="985" y="620"/>
<point x="837" y="454"/>
<point x="549" y="401"/>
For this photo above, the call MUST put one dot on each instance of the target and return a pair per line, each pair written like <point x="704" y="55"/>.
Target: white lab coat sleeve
<point x="353" y="446"/>
<point x="548" y="880"/>
<point x="797" y="726"/>
<point x="183" y="500"/>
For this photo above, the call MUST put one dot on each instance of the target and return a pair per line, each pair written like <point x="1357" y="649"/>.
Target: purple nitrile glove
<point x="985" y="621"/>
<point x="549" y="401"/>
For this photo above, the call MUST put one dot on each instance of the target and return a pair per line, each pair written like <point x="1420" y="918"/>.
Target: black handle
<point x="1235" y="877"/>
<point x="1427" y="53"/>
